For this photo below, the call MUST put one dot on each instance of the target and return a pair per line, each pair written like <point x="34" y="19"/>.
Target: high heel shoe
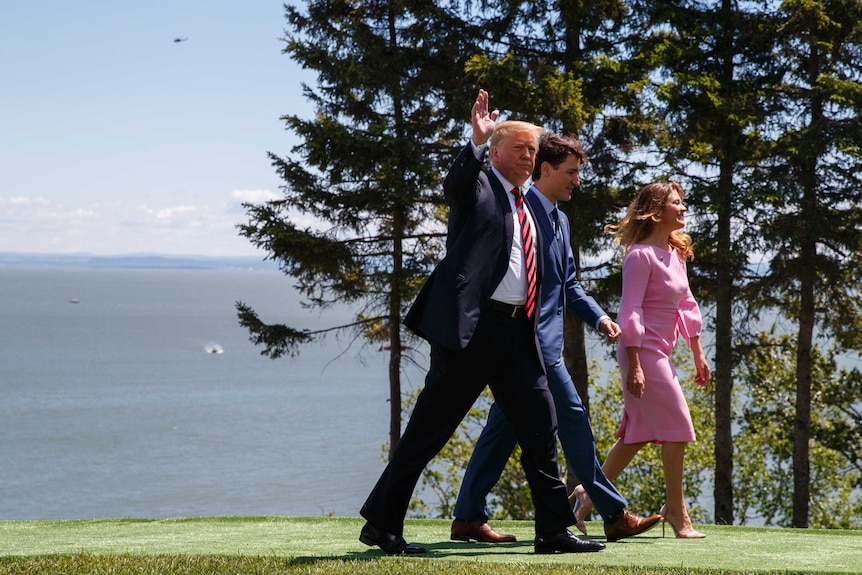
<point x="688" y="534"/>
<point x="581" y="499"/>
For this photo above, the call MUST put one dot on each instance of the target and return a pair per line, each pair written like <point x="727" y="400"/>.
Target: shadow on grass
<point x="435" y="551"/>
<point x="441" y="550"/>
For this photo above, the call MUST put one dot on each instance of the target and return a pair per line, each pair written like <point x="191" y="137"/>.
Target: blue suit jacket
<point x="478" y="244"/>
<point x="559" y="272"/>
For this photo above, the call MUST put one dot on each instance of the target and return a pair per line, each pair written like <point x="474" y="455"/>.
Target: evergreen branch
<point x="279" y="339"/>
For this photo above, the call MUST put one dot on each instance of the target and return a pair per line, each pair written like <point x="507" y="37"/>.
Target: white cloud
<point x="44" y="225"/>
<point x="176" y="216"/>
<point x="176" y="212"/>
<point x="253" y="196"/>
<point x="25" y="208"/>
<point x="299" y="219"/>
<point x="239" y="197"/>
<point x="16" y="201"/>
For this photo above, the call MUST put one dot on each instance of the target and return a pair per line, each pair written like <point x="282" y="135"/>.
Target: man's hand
<point x="482" y="121"/>
<point x="611" y="330"/>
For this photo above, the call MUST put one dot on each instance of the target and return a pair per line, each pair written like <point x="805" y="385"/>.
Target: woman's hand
<point x="635" y="380"/>
<point x="701" y="365"/>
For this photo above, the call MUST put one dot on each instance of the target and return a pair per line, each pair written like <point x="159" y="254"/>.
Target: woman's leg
<point x="620" y="455"/>
<point x="673" y="459"/>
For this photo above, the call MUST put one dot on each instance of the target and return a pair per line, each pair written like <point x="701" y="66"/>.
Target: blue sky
<point x="115" y="139"/>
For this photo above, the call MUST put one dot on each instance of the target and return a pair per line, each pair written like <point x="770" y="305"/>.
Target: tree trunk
<point x="396" y="283"/>
<point x="575" y="356"/>
<point x="807" y="284"/>
<point x="723" y="444"/>
<point x="805" y="338"/>
<point x="574" y="344"/>
<point x="395" y="332"/>
<point x="802" y="421"/>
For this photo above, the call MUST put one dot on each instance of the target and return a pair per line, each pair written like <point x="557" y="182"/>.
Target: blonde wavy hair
<point x="511" y="127"/>
<point x="642" y="214"/>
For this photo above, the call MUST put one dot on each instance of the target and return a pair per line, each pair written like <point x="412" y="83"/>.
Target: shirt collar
<point x="546" y="203"/>
<point x="507" y="185"/>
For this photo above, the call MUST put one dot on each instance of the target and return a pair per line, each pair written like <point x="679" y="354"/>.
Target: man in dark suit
<point x="477" y="310"/>
<point x="556" y="175"/>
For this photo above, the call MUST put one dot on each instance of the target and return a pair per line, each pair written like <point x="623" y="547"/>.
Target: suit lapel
<point x="540" y="216"/>
<point x="540" y="240"/>
<point x="563" y="243"/>
<point x="503" y="200"/>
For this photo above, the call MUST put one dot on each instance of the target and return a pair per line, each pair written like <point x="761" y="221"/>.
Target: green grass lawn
<point x="329" y="545"/>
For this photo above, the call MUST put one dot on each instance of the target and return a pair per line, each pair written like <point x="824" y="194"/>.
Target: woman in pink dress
<point x="657" y="306"/>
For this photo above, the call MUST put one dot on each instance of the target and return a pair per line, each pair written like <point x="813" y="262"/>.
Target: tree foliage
<point x="810" y="214"/>
<point x="713" y="72"/>
<point x="765" y="440"/>
<point x="753" y="105"/>
<point x="368" y="168"/>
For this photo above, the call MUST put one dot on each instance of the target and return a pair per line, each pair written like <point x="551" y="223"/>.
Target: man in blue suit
<point x="555" y="176"/>
<point x="476" y="311"/>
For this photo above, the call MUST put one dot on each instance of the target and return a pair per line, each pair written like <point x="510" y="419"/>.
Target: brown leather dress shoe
<point x="629" y="525"/>
<point x="479" y="531"/>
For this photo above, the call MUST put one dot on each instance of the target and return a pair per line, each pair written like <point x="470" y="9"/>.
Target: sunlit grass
<point x="329" y="546"/>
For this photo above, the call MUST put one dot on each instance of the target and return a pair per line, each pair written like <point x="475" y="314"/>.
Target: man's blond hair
<point x="511" y="127"/>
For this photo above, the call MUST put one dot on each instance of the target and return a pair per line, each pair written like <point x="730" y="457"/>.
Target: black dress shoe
<point x="564" y="542"/>
<point x="390" y="543"/>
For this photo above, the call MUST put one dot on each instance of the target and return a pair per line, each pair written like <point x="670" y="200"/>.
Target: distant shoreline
<point x="136" y="261"/>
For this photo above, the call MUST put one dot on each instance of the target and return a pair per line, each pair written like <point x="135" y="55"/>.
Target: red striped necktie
<point x="529" y="252"/>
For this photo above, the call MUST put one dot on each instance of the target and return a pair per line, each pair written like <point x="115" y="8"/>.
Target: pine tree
<point x="368" y="169"/>
<point x="813" y="192"/>
<point x="716" y="64"/>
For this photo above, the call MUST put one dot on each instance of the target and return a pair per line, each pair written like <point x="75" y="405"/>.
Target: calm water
<point x="113" y="407"/>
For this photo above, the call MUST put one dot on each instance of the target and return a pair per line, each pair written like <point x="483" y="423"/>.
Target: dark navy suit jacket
<point x="479" y="241"/>
<point x="559" y="270"/>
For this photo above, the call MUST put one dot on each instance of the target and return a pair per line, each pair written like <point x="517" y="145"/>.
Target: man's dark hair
<point x="555" y="149"/>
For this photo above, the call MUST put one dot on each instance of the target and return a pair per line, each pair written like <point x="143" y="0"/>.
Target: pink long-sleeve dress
<point x="657" y="306"/>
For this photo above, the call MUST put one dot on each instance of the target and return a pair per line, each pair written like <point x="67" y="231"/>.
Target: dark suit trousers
<point x="502" y="354"/>
<point x="497" y="441"/>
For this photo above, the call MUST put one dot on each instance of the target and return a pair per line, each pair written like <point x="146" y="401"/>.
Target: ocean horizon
<point x="135" y="393"/>
<point x="135" y="261"/>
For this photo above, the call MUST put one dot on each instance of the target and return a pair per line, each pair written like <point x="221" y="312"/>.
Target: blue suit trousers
<point x="498" y="440"/>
